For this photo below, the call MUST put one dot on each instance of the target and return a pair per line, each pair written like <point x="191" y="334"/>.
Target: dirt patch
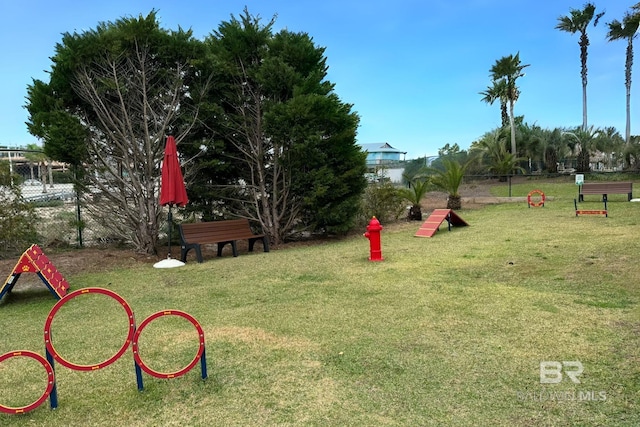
<point x="472" y="196"/>
<point x="71" y="262"/>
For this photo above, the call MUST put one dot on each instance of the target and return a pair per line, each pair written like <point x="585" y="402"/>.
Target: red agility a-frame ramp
<point x="437" y="217"/>
<point x="33" y="260"/>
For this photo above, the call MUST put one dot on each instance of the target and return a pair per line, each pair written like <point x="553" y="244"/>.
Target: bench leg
<point x="265" y="243"/>
<point x="234" y="248"/>
<point x="184" y="250"/>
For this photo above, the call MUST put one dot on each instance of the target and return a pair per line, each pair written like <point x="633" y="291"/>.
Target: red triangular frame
<point x="437" y="217"/>
<point x="33" y="260"/>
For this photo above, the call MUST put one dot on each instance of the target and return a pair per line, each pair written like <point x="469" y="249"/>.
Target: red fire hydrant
<point x="373" y="234"/>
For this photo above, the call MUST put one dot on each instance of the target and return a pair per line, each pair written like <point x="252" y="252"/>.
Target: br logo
<point x="551" y="372"/>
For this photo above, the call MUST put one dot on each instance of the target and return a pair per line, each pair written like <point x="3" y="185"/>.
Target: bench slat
<point x="606" y="188"/>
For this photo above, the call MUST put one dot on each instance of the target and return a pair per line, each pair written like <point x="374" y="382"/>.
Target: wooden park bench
<point x="193" y="235"/>
<point x="606" y="188"/>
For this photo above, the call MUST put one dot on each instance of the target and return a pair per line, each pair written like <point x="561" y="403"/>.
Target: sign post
<point x="579" y="182"/>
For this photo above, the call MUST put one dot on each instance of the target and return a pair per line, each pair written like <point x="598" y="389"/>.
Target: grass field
<point x="446" y="331"/>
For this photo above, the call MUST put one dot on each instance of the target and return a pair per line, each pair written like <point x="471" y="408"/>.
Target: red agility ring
<point x="50" y="381"/>
<point x="536" y="204"/>
<point x="67" y="298"/>
<point x="145" y="322"/>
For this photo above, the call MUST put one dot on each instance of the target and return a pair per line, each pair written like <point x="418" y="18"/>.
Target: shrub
<point x="382" y="200"/>
<point x="17" y="222"/>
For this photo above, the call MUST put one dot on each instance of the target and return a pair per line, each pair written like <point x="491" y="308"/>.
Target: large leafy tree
<point x="115" y="92"/>
<point x="578" y="21"/>
<point x="291" y="137"/>
<point x="626" y="29"/>
<point x="510" y="69"/>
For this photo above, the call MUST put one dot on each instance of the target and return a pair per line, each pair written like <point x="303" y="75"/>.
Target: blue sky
<point x="411" y="68"/>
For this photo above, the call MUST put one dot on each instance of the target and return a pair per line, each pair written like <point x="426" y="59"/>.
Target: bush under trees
<point x="17" y="217"/>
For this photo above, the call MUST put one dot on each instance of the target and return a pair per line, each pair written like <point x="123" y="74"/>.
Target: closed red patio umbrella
<point x="172" y="191"/>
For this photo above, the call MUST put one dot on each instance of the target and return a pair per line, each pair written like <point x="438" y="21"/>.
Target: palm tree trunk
<point x="454" y="202"/>
<point x="627" y="134"/>
<point x="584" y="43"/>
<point x="583" y="161"/>
<point x="628" y="65"/>
<point x="415" y="213"/>
<point x="504" y="115"/>
<point x="513" y="129"/>
<point x="551" y="160"/>
<point x="584" y="107"/>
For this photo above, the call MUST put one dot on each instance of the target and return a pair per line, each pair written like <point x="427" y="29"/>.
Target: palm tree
<point x="449" y="179"/>
<point x="556" y="149"/>
<point x="491" y="151"/>
<point x="498" y="92"/>
<point x="632" y="152"/>
<point x="626" y="29"/>
<point x="578" y="21"/>
<point x="510" y="69"/>
<point x="611" y="145"/>
<point x="532" y="139"/>
<point x="415" y="194"/>
<point x="583" y="142"/>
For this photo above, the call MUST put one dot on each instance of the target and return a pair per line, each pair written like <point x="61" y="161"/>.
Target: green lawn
<point x="449" y="330"/>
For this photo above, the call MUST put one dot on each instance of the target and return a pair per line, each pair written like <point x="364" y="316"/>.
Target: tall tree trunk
<point x="584" y="43"/>
<point x="513" y="129"/>
<point x="43" y="175"/>
<point x="504" y="115"/>
<point x="50" y="171"/>
<point x="551" y="160"/>
<point x="583" y="161"/>
<point x="627" y="83"/>
<point x="584" y="107"/>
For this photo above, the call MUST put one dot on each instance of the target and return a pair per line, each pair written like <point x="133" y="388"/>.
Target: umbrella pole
<point x="170" y="219"/>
